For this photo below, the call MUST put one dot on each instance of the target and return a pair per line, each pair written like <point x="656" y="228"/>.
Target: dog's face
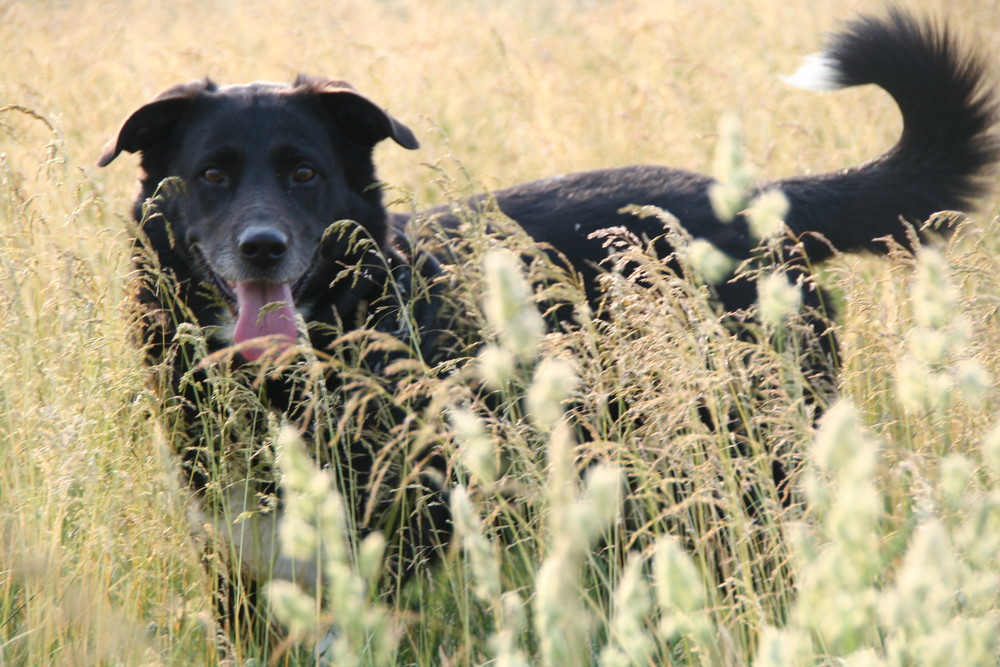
<point x="261" y="172"/>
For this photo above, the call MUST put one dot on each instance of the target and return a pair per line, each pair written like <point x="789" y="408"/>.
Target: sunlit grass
<point x="894" y="557"/>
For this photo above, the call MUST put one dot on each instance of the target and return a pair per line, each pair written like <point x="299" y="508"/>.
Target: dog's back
<point x="941" y="162"/>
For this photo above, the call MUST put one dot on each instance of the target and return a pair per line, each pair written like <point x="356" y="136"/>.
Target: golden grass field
<point x="97" y="562"/>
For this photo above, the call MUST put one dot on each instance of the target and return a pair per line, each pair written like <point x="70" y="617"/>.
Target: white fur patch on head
<point x="818" y="72"/>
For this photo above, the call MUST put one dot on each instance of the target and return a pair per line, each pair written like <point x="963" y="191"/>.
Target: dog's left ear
<point x="354" y="113"/>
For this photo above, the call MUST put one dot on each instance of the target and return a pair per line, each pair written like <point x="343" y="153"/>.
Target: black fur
<point x="260" y="171"/>
<point x="939" y="164"/>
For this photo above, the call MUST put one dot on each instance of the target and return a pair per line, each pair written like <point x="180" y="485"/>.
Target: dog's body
<point x="265" y="169"/>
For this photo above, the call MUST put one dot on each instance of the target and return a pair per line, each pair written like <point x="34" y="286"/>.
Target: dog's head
<point x="261" y="170"/>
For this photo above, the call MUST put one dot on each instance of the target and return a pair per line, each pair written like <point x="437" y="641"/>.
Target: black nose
<point x="262" y="246"/>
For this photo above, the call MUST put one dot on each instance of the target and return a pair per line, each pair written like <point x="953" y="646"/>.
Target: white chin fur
<point x="818" y="72"/>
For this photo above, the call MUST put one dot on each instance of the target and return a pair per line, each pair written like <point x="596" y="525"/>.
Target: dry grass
<point x="96" y="561"/>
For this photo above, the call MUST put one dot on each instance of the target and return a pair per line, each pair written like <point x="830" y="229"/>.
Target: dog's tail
<point x="945" y="154"/>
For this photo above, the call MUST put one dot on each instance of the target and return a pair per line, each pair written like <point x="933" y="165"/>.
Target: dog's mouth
<point x="265" y="312"/>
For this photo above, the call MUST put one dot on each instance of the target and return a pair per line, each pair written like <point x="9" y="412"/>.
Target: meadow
<point x="890" y="554"/>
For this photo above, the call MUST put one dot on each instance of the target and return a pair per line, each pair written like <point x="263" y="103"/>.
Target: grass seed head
<point x="924" y="595"/>
<point x="631" y="643"/>
<point x="554" y="382"/>
<point x="299" y="539"/>
<point x="783" y="647"/>
<point x="708" y="262"/>
<point x="513" y="623"/>
<point x="509" y="305"/>
<point x="841" y="447"/>
<point x="497" y="366"/>
<point x="934" y="298"/>
<point x="482" y="559"/>
<point x="767" y="214"/>
<point x="677" y="582"/>
<point x="476" y="447"/>
<point x="561" y="623"/>
<point x="728" y="195"/>
<point x="954" y="476"/>
<point x="929" y="346"/>
<point x="778" y="299"/>
<point x="600" y="505"/>
<point x="295" y="608"/>
<point x="973" y="381"/>
<point x="991" y="452"/>
<point x="919" y="388"/>
<point x="370" y="555"/>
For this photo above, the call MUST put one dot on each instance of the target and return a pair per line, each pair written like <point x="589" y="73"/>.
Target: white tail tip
<point x="818" y="72"/>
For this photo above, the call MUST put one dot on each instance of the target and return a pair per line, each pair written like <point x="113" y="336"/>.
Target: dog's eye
<point x="304" y="174"/>
<point x="213" y="175"/>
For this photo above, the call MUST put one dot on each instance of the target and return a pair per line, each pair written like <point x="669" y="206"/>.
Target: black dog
<point x="247" y="180"/>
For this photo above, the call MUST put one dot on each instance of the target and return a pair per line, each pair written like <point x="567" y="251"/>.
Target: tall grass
<point x="617" y="541"/>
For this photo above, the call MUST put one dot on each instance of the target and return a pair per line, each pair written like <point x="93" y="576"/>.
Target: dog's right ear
<point x="151" y="122"/>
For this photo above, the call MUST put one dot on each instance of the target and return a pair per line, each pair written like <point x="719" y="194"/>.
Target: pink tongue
<point x="278" y="320"/>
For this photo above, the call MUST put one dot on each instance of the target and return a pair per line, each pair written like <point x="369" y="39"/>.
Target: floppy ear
<point x="150" y="122"/>
<point x="355" y="114"/>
